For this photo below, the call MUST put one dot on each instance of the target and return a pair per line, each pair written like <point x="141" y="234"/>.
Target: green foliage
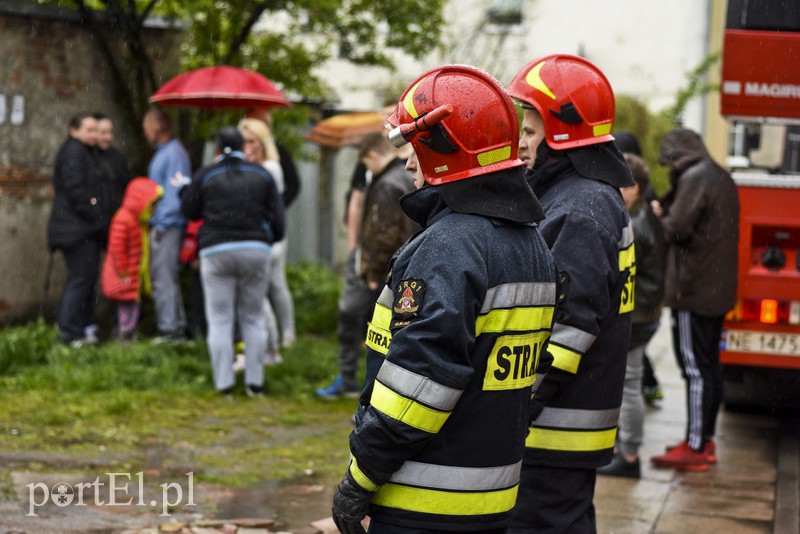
<point x="649" y="128"/>
<point x="34" y="360"/>
<point x="315" y="290"/>
<point x="23" y="346"/>
<point x="698" y="85"/>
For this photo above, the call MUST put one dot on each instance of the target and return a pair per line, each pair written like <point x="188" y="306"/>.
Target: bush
<point x="315" y="290"/>
<point x="21" y="346"/>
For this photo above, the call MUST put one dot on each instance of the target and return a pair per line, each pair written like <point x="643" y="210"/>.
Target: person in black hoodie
<point x="700" y="216"/>
<point x="78" y="226"/>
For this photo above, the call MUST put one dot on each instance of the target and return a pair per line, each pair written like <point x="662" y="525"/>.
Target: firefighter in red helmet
<point x="458" y="331"/>
<point x="575" y="170"/>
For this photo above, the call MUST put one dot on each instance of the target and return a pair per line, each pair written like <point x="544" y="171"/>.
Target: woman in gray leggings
<point x="243" y="213"/>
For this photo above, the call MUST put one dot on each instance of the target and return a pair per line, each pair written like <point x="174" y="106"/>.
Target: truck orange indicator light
<point x="769" y="311"/>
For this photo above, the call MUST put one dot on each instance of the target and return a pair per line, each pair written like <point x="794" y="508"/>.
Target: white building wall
<point x="646" y="48"/>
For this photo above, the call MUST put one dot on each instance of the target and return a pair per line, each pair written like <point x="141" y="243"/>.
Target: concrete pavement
<point x="736" y="496"/>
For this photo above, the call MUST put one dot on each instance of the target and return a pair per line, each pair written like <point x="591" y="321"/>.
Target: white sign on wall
<point x="17" y="110"/>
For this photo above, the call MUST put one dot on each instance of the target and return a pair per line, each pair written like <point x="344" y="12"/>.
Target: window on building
<point x="505" y="12"/>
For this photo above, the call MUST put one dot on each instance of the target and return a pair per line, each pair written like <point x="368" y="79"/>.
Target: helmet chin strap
<point x="545" y="153"/>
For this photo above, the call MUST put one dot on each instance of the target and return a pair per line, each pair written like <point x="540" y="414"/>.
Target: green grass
<point x="114" y="404"/>
<point x="145" y="406"/>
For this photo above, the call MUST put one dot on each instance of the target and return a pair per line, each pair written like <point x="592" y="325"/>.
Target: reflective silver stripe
<point x="537" y="382"/>
<point x="387" y="297"/>
<point x="571" y="337"/>
<point x="457" y="478"/>
<point x="418" y="387"/>
<point x="627" y="237"/>
<point x="522" y="294"/>
<point x="571" y="418"/>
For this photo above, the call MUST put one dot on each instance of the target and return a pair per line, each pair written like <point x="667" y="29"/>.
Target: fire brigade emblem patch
<point x="408" y="299"/>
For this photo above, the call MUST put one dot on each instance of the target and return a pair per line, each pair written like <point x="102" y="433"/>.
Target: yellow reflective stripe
<point x="493" y="156"/>
<point x="430" y="501"/>
<point x="535" y="81"/>
<point x="406" y="410"/>
<point x="517" y="319"/>
<point x="602" y="129"/>
<point x="360" y="478"/>
<point x="573" y="441"/>
<point x="378" y="339"/>
<point x="382" y="316"/>
<point x="513" y="362"/>
<point x="627" y="258"/>
<point x="408" y="101"/>
<point x="627" y="261"/>
<point x="563" y="358"/>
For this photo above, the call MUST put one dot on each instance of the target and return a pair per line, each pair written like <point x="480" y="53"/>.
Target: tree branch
<point x="247" y="28"/>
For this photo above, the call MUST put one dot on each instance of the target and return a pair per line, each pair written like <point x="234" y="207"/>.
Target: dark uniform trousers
<point x="564" y="501"/>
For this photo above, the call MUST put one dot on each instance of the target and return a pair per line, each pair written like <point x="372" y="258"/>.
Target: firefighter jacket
<point x="588" y="229"/>
<point x="453" y="349"/>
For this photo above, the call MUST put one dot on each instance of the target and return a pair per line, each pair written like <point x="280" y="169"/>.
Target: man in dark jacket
<point x="243" y="214"/>
<point x="77" y="226"/>
<point x="458" y="330"/>
<point x="113" y="162"/>
<point x="700" y="215"/>
<point x="576" y="171"/>
<point x="383" y="228"/>
<point x="651" y="252"/>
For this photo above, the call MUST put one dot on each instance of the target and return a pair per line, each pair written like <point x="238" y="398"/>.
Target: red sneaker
<point x="682" y="458"/>
<point x="710" y="450"/>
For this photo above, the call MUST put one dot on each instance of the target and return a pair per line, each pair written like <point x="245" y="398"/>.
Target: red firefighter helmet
<point x="460" y="122"/>
<point x="573" y="97"/>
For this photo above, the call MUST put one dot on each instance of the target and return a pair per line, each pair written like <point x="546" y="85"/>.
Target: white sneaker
<point x="272" y="358"/>
<point x="239" y="363"/>
<point x="289" y="338"/>
<point x="90" y="335"/>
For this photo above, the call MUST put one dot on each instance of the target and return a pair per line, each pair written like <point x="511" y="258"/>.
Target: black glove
<point x="535" y="407"/>
<point x="350" y="505"/>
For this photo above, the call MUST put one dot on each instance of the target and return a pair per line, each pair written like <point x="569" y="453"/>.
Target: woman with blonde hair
<point x="259" y="147"/>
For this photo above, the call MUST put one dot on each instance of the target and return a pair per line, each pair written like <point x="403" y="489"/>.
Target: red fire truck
<point x="760" y="95"/>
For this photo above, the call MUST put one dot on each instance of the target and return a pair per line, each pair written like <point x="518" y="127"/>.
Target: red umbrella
<point x="220" y="87"/>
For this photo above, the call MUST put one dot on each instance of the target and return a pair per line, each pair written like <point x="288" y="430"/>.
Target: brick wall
<point x="51" y="69"/>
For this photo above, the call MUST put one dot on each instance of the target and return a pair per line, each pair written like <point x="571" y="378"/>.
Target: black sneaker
<point x="172" y="338"/>
<point x="254" y="391"/>
<point x="620" y="467"/>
